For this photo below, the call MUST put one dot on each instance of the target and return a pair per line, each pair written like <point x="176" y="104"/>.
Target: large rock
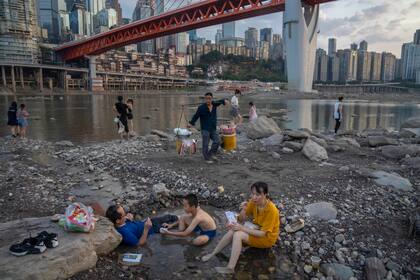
<point x="295" y="146"/>
<point x="297" y="134"/>
<point x="374" y="269"/>
<point x="374" y="132"/>
<point x="262" y="127"/>
<point x="337" y="271"/>
<point x="322" y="210"/>
<point x="347" y="142"/>
<point x="376" y="141"/>
<point x="411" y="123"/>
<point x="76" y="251"/>
<point x="314" y="151"/>
<point x="410" y="132"/>
<point x="399" y="152"/>
<point x="319" y="141"/>
<point x="273" y="140"/>
<point x="160" y="188"/>
<point x="413" y="162"/>
<point x="392" y="180"/>
<point x="161" y="134"/>
<point x="64" y="143"/>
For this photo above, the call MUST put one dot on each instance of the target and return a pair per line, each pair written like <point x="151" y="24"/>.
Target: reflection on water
<point x="89" y="118"/>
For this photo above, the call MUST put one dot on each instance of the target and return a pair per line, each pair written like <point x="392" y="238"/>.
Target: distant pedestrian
<point x="12" y="121"/>
<point x="338" y="113"/>
<point x="130" y="104"/>
<point x="207" y="113"/>
<point x="234" y="112"/>
<point x="122" y="110"/>
<point x="252" y="112"/>
<point x="22" y="117"/>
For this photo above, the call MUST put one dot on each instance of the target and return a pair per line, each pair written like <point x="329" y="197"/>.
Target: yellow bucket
<point x="229" y="142"/>
<point x="178" y="143"/>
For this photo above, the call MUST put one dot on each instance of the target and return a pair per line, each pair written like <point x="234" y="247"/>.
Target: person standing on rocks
<point x="12" y="120"/>
<point x="195" y="220"/>
<point x="252" y="112"/>
<point x="22" y="117"/>
<point x="234" y="112"/>
<point x="338" y="113"/>
<point x="122" y="110"/>
<point x="207" y="113"/>
<point x="263" y="234"/>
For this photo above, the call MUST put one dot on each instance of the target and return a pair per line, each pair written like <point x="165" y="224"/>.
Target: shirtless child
<point x="196" y="220"/>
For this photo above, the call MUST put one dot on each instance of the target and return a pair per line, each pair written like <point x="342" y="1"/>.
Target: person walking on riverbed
<point x="22" y="117"/>
<point x="234" y="112"/>
<point x="122" y="110"/>
<point x="130" y="104"/>
<point x="12" y="120"/>
<point x="338" y="113"/>
<point x="207" y="113"/>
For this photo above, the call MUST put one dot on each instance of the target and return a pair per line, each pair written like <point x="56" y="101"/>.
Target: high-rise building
<point x="266" y="35"/>
<point x="332" y="46"/>
<point x="125" y="20"/>
<point x="251" y="40"/>
<point x="388" y="67"/>
<point x="115" y="4"/>
<point x="363" y="45"/>
<point x="353" y="47"/>
<point x="107" y="18"/>
<point x="144" y="10"/>
<point x="333" y="69"/>
<point x="192" y="34"/>
<point x="80" y="23"/>
<point x="410" y="61"/>
<point x="219" y="35"/>
<point x="375" y="70"/>
<point x="228" y="30"/>
<point x="181" y="43"/>
<point x="19" y="31"/>
<point x="321" y="66"/>
<point x="276" y="50"/>
<point x="416" y="39"/>
<point x="348" y="65"/>
<point x="49" y="19"/>
<point x="398" y="75"/>
<point x="94" y="6"/>
<point x="277" y="39"/>
<point x="264" y="50"/>
<point x="364" y="64"/>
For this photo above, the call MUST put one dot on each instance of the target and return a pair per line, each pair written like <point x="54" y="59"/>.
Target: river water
<point x="89" y="118"/>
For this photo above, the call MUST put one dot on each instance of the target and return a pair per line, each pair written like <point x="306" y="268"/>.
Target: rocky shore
<point x="357" y="193"/>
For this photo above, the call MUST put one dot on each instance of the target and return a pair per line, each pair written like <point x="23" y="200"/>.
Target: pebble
<point x="306" y="245"/>
<point x="308" y="269"/>
<point x="339" y="238"/>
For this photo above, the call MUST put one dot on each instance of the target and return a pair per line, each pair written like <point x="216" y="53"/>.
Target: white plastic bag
<point x="79" y="218"/>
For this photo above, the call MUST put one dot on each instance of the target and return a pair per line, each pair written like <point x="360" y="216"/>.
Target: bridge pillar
<point x="12" y="72"/>
<point x="300" y="34"/>
<point x="40" y="80"/>
<point x="3" y="75"/>
<point x="22" y="83"/>
<point x="92" y="70"/>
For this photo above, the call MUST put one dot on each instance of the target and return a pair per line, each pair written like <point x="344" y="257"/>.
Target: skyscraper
<point x="364" y="64"/>
<point x="363" y="45"/>
<point x="353" y="47"/>
<point x="375" y="70"/>
<point x="410" y="60"/>
<point x="219" y="35"/>
<point x="276" y="50"/>
<point x="80" y="20"/>
<point x="94" y="6"/>
<point x="228" y="30"/>
<point x="332" y="46"/>
<point x="49" y="19"/>
<point x="321" y="66"/>
<point x="144" y="10"/>
<point x="277" y="39"/>
<point x="114" y="4"/>
<point x="348" y="65"/>
<point x="333" y="68"/>
<point x="416" y="39"/>
<point x="251" y="40"/>
<point x="266" y="35"/>
<point x="388" y="67"/>
<point x="192" y="34"/>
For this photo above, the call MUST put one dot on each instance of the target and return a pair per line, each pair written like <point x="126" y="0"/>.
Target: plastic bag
<point x="79" y="218"/>
<point x="182" y="132"/>
<point x="189" y="145"/>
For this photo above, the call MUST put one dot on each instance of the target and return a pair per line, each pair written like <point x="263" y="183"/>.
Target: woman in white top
<point x="252" y="112"/>
<point x="338" y="113"/>
<point x="237" y="118"/>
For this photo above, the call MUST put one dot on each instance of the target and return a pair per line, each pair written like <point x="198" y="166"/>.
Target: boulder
<point x="313" y="151"/>
<point x="399" y="152"/>
<point x="346" y="142"/>
<point x="160" y="188"/>
<point x="273" y="140"/>
<point x="374" y="269"/>
<point x="337" y="271"/>
<point x="161" y="134"/>
<point x="392" y="180"/>
<point x="297" y="134"/>
<point x="295" y="146"/>
<point x="374" y="132"/>
<point x="319" y="141"/>
<point x="376" y="141"/>
<point x="411" y="123"/>
<point x="152" y="138"/>
<point x="262" y="127"/>
<point x="410" y="132"/>
<point x="76" y="251"/>
<point x="413" y="162"/>
<point x="322" y="210"/>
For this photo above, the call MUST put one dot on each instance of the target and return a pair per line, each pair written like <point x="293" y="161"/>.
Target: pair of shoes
<point x="35" y="245"/>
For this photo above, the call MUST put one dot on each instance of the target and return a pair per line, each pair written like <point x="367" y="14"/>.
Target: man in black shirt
<point x="207" y="113"/>
<point x="122" y="110"/>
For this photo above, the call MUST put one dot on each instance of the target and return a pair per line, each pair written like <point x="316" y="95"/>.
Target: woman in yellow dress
<point x="265" y="215"/>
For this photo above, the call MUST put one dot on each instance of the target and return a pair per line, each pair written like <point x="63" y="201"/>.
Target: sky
<point x="384" y="24"/>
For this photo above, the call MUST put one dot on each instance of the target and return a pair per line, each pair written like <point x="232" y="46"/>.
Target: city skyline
<point x="385" y="25"/>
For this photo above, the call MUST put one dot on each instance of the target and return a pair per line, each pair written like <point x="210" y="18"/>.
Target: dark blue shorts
<point x="209" y="233"/>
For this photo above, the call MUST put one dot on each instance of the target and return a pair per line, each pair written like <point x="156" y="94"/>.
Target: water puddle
<point x="167" y="257"/>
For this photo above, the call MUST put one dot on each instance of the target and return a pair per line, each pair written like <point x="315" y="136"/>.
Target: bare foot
<point x="206" y="257"/>
<point x="224" y="270"/>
